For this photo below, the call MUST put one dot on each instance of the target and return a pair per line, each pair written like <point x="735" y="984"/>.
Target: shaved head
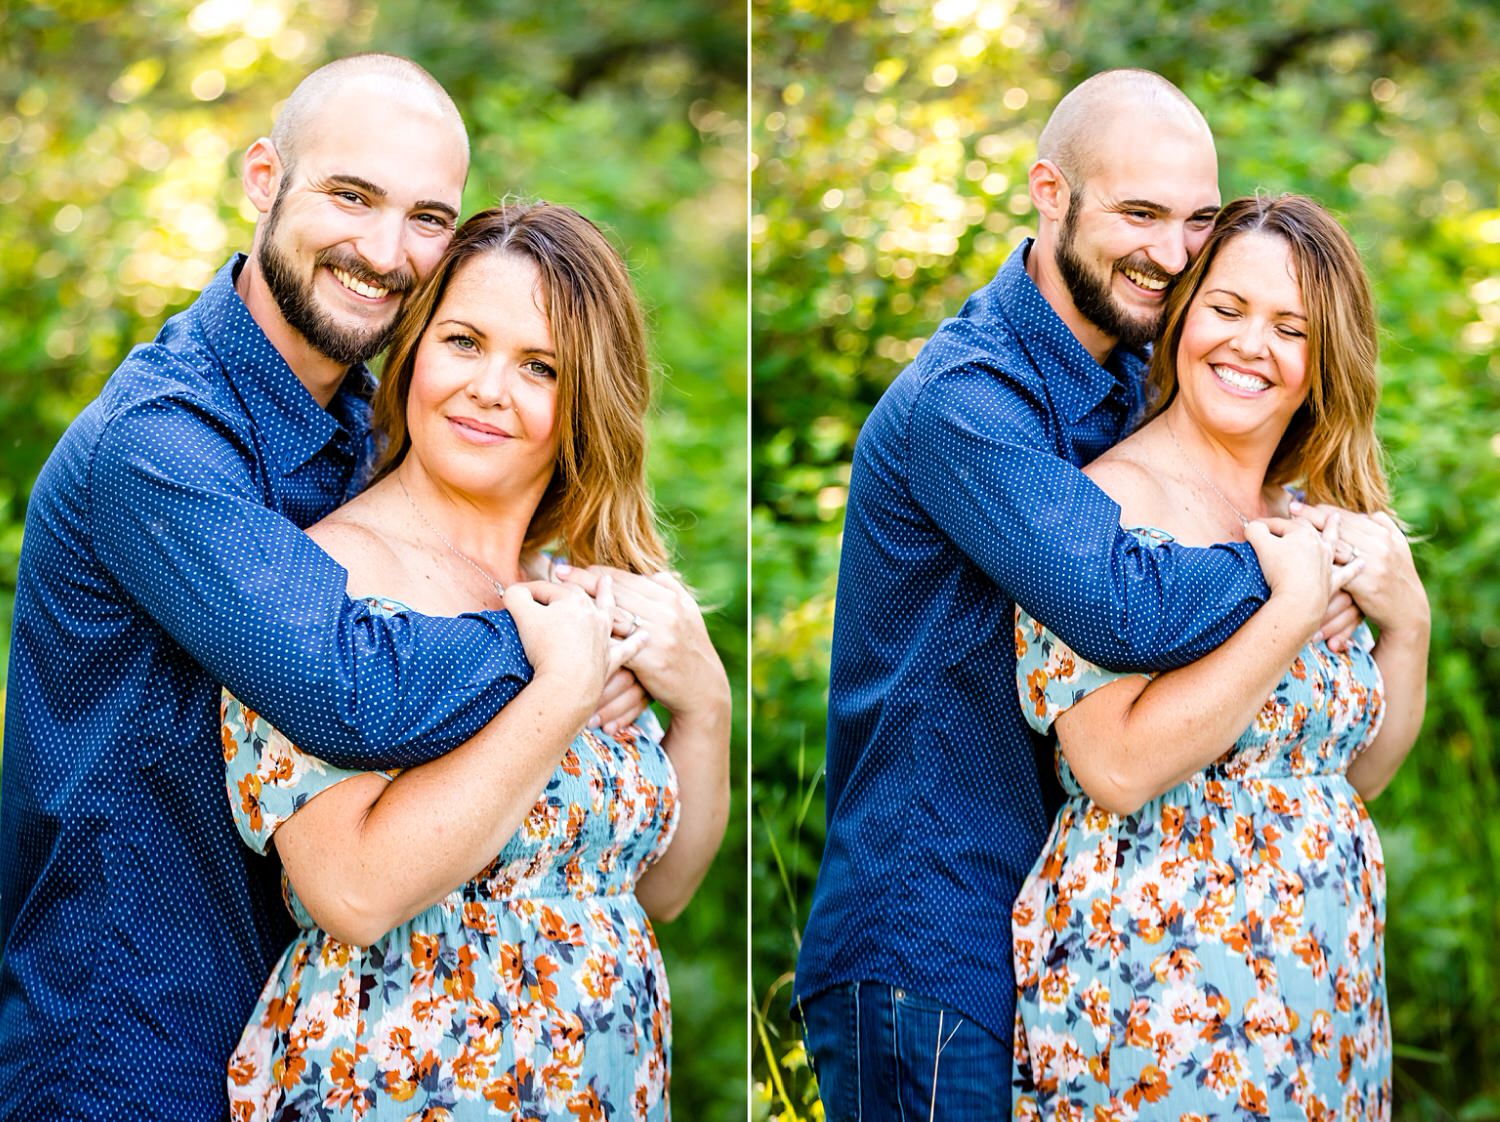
<point x="1081" y="125"/>
<point x="371" y="76"/>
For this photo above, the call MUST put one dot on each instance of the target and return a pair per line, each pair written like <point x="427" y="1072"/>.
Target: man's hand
<point x="623" y="700"/>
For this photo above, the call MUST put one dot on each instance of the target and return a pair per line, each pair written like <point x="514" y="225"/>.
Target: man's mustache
<point x="398" y="280"/>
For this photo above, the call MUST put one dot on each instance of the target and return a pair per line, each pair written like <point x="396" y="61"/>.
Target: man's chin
<point x="340" y="335"/>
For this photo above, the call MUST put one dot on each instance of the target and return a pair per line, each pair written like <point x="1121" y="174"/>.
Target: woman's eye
<point x="541" y="369"/>
<point x="1291" y="333"/>
<point x="462" y="342"/>
<point x="1224" y="310"/>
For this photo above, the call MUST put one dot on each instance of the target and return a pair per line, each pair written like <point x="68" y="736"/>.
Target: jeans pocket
<point x="830" y="1033"/>
<point x="947" y="1065"/>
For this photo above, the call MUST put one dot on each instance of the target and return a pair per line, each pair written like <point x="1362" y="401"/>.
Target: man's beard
<point x="1091" y="294"/>
<point x="294" y="296"/>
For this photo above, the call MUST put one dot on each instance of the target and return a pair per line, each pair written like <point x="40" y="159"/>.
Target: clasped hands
<point x="656" y="644"/>
<point x="1380" y="579"/>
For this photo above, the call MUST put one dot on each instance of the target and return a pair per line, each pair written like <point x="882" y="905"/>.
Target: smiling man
<point x="966" y="497"/>
<point x="163" y="557"/>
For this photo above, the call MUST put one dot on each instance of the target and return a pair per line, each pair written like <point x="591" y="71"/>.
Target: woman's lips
<point x="477" y="431"/>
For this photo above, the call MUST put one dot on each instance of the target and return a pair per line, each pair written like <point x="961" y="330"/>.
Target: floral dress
<point x="1216" y="954"/>
<point x="534" y="991"/>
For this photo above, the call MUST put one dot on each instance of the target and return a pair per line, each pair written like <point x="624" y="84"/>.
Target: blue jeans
<point x="884" y="1054"/>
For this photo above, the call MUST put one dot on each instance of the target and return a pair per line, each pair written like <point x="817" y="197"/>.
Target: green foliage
<point x="121" y="126"/>
<point x="889" y="180"/>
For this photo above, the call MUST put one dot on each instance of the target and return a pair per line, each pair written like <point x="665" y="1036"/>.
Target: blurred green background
<point x="890" y="147"/>
<point x="121" y="128"/>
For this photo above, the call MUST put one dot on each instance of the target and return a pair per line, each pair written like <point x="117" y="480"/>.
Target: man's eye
<point x="349" y="196"/>
<point x="436" y="220"/>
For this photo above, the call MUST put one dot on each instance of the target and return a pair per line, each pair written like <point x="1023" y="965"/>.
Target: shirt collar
<point x="295" y="426"/>
<point x="1077" y="382"/>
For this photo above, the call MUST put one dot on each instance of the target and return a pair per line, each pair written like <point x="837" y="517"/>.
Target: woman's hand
<point x="678" y="666"/>
<point x="566" y="632"/>
<point x="682" y="670"/>
<point x="1388" y="589"/>
<point x="1298" y="563"/>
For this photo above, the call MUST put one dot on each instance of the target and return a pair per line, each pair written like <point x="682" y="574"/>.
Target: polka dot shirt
<point x="162" y="557"/>
<point x="965" y="497"/>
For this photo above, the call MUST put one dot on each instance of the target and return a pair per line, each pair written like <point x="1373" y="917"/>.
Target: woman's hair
<point x="596" y="507"/>
<point x="1329" y="448"/>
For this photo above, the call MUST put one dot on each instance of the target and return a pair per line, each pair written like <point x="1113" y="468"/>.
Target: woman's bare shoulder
<point x="1127" y="474"/>
<point x="353" y="536"/>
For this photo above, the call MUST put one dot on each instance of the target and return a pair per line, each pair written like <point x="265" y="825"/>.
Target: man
<point x="163" y="557"/>
<point x="965" y="484"/>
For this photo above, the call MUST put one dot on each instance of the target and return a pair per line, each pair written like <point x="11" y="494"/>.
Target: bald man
<point x="966" y="498"/>
<point x="163" y="557"/>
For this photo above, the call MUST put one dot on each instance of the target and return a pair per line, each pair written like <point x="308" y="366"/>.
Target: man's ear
<point x="261" y="174"/>
<point x="1050" y="193"/>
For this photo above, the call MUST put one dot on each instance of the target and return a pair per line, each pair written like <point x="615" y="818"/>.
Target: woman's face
<point x="483" y="398"/>
<point x="1242" y="360"/>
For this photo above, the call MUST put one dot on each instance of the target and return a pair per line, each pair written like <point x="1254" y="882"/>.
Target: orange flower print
<point x="557" y="930"/>
<point x="1021" y="647"/>
<point x="424" y="954"/>
<point x="250" y="801"/>
<point x="1037" y="680"/>
<point x="242" y="1069"/>
<point x="460" y="984"/>
<point x="344" y="1075"/>
<point x="231" y="745"/>
<point x="1310" y="951"/>
<point x="586" y="1106"/>
<point x="1253" y="1100"/>
<point x="479" y="919"/>
<point x="1151" y="1086"/>
<point x="1320" y="1035"/>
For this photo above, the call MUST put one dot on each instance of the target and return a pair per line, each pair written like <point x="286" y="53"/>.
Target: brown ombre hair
<point x="1329" y="448"/>
<point x="596" y="508"/>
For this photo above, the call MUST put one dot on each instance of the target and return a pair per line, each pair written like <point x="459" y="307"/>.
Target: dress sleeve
<point x="267" y="776"/>
<point x="1051" y="677"/>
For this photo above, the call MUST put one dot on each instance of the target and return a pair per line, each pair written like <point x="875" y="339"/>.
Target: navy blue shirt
<point x="162" y="557"/>
<point x="966" y="497"/>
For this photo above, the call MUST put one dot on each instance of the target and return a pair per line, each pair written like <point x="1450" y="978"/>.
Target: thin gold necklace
<point x="453" y="549"/>
<point x="1181" y="451"/>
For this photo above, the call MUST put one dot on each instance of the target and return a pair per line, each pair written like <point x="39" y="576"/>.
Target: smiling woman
<point x="1213" y="875"/>
<point x="505" y="433"/>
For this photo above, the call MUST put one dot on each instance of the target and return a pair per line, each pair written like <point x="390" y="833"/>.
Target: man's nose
<point x="1171" y="249"/>
<point x="383" y="246"/>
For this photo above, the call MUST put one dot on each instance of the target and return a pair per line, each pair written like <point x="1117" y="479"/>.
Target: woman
<point x="433" y="979"/>
<point x="1202" y="934"/>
